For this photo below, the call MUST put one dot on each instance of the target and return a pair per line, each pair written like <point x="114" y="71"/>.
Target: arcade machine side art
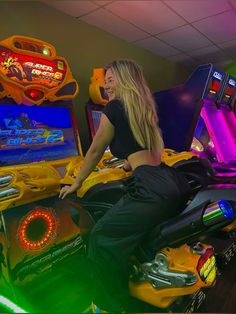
<point x="39" y="144"/>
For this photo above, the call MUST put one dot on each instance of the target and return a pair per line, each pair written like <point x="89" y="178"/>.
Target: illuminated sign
<point x="26" y="137"/>
<point x="231" y="82"/>
<point x="35" y="133"/>
<point x="26" y="70"/>
<point x="43" y="70"/>
<point x="217" y="75"/>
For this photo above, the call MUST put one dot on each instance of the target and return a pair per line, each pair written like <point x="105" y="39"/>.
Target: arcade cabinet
<point x="38" y="144"/>
<point x="196" y="116"/>
<point x="39" y="151"/>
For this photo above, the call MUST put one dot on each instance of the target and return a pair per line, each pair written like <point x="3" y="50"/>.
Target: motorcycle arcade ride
<point x="38" y="144"/>
<point x="171" y="275"/>
<point x="169" y="272"/>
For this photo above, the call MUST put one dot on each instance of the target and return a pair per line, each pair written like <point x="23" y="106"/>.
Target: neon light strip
<point x="10" y="305"/>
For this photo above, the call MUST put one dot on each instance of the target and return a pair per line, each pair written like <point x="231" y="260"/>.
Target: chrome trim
<point x="213" y="214"/>
<point x="10" y="191"/>
<point x="111" y="161"/>
<point x="5" y="180"/>
<point x="158" y="274"/>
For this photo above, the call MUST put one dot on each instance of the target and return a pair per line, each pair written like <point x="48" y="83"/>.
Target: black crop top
<point x="123" y="144"/>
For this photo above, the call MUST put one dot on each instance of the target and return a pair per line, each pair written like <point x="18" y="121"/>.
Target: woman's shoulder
<point x="114" y="105"/>
<point x="114" y="110"/>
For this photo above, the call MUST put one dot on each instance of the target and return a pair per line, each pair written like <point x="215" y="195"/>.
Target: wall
<point x="231" y="69"/>
<point x="84" y="47"/>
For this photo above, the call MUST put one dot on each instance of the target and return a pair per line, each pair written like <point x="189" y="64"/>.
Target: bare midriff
<point x="143" y="157"/>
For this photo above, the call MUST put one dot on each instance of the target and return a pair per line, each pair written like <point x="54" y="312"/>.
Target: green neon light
<point x="10" y="305"/>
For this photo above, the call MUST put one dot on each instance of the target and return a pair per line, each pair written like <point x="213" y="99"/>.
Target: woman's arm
<point x="102" y="139"/>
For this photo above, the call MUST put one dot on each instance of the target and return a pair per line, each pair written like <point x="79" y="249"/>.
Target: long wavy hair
<point x="133" y="91"/>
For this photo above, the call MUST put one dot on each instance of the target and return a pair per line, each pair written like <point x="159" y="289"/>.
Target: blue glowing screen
<point x="35" y="133"/>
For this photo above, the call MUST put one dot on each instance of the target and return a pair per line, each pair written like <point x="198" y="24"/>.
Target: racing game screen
<point x="33" y="134"/>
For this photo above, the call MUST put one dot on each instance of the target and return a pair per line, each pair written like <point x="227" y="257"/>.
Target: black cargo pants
<point x="154" y="194"/>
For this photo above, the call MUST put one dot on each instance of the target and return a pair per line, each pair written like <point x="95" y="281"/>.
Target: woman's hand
<point x="127" y="166"/>
<point x="67" y="189"/>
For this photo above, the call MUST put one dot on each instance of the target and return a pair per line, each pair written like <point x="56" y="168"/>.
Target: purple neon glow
<point x="226" y="174"/>
<point x="230" y="118"/>
<point x="220" y="132"/>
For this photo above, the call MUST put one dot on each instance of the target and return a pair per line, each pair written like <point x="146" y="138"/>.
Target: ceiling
<point x="191" y="32"/>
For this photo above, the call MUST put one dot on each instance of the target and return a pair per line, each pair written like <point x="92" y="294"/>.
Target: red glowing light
<point x="215" y="85"/>
<point x="37" y="229"/>
<point x="229" y="91"/>
<point x="34" y="94"/>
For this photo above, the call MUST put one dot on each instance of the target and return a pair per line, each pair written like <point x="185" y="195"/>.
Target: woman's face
<point x="110" y="84"/>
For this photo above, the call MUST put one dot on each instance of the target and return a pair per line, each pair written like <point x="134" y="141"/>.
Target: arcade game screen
<point x="96" y="116"/>
<point x="36" y="133"/>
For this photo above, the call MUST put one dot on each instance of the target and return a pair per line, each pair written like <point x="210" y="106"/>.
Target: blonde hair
<point x="133" y="91"/>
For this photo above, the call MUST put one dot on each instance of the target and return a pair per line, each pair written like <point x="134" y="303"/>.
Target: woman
<point x="129" y="125"/>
